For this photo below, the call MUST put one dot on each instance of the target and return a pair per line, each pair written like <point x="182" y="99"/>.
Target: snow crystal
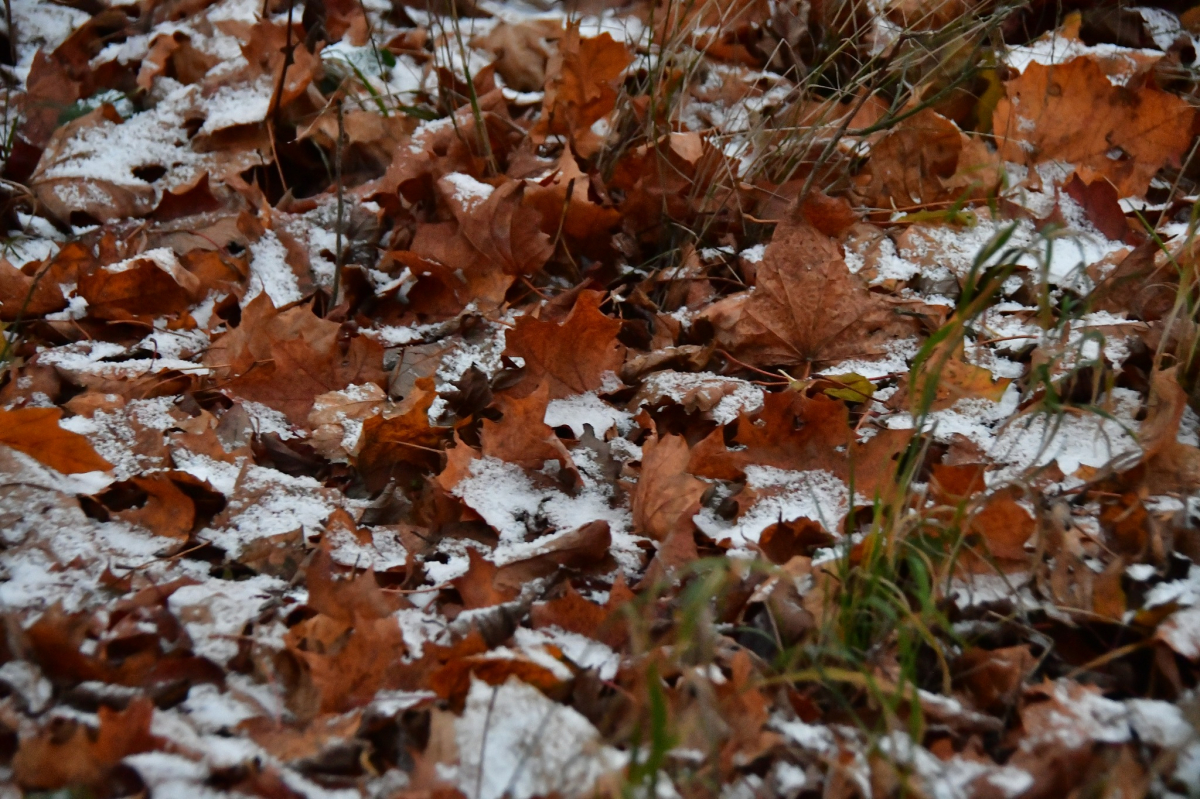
<point x="166" y="774"/>
<point x="42" y="26"/>
<point x="1062" y="256"/>
<point x="247" y="104"/>
<point x="1164" y="27"/>
<point x="220" y="475"/>
<point x="1071" y="439"/>
<point x="817" y="495"/>
<point x="587" y="653"/>
<point x="25" y="680"/>
<point x="954" y="778"/>
<point x="1159" y="723"/>
<point x="737" y="396"/>
<point x="754" y="255"/>
<point x="266" y="420"/>
<point x="513" y="741"/>
<point x="1087" y="716"/>
<point x="112" y="433"/>
<point x="215" y="612"/>
<point x="212" y="710"/>
<point x="270" y="272"/>
<point x="814" y="737"/>
<point x="267" y="502"/>
<point x="1053" y="49"/>
<point x="982" y="589"/>
<point x="484" y="353"/>
<point x="1181" y="630"/>
<point x="587" y="410"/>
<point x="894" y="361"/>
<point x="507" y="499"/>
<point x="467" y="190"/>
<point x="1184" y="592"/>
<point x="108" y="152"/>
<point x="787" y="779"/>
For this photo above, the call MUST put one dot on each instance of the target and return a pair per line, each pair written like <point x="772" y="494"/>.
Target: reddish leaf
<point x="35" y="432"/>
<point x="571" y="358"/>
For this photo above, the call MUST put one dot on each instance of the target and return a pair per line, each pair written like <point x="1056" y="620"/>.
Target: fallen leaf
<point x="666" y="496"/>
<point x="574" y="357"/>
<point x="522" y="436"/>
<point x="806" y="308"/>
<point x="582" y="87"/>
<point x="64" y="753"/>
<point x="285" y="360"/>
<point x="36" y="432"/>
<point x="911" y="164"/>
<point x="1132" y="131"/>
<point x="790" y="432"/>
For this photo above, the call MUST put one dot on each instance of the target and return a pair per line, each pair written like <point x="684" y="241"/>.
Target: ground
<point x="469" y="399"/>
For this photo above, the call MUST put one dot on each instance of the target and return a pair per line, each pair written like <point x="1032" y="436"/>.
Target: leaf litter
<point x="510" y="399"/>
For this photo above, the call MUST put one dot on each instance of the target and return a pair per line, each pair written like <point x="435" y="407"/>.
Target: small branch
<point x="341" y="203"/>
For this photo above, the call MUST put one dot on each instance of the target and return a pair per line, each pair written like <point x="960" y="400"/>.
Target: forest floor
<point x="733" y="398"/>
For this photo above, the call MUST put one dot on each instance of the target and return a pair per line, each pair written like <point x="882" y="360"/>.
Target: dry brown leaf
<point x="35" y="431"/>
<point x="521" y="51"/>
<point x="64" y="753"/>
<point x="146" y="286"/>
<point x="574" y="357"/>
<point x="1131" y="131"/>
<point x="401" y="435"/>
<point x="584" y="549"/>
<point x="806" y="308"/>
<point x="790" y="432"/>
<point x="522" y="435"/>
<point x="582" y="87"/>
<point x="910" y="166"/>
<point x="666" y="496"/>
<point x="285" y="360"/>
<point x="492" y="241"/>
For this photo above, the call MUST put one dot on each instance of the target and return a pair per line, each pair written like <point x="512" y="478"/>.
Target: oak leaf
<point x="911" y="163"/>
<point x="144" y="286"/>
<point x="401" y="435"/>
<point x="574" y="613"/>
<point x="582" y="87"/>
<point x="563" y="202"/>
<point x="492" y="240"/>
<point x="521" y="51"/>
<point x="522" y="436"/>
<point x="347" y="674"/>
<point x="584" y="549"/>
<point x="478" y="587"/>
<point x="285" y="360"/>
<point x="999" y="519"/>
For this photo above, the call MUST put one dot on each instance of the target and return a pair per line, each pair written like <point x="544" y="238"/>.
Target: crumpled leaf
<point x="582" y="87"/>
<point x="285" y="360"/>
